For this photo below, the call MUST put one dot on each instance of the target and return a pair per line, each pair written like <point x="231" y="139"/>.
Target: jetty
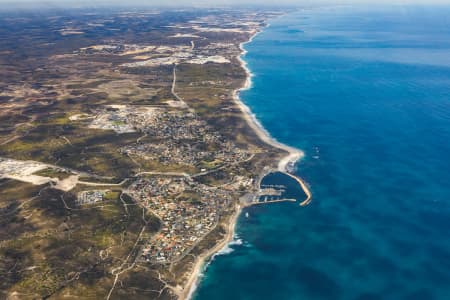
<point x="272" y="201"/>
<point x="304" y="188"/>
<point x="278" y="190"/>
<point x="270" y="192"/>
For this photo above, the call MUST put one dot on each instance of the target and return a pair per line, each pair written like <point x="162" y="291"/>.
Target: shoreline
<point x="192" y="282"/>
<point x="293" y="153"/>
<point x="285" y="165"/>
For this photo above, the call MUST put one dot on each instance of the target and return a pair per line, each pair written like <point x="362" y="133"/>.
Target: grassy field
<point x="45" y="244"/>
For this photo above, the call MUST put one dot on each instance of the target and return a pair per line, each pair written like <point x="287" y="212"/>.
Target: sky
<point x="208" y="3"/>
<point x="222" y="2"/>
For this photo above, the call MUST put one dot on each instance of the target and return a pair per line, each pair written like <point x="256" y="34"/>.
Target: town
<point x="123" y="156"/>
<point x="188" y="211"/>
<point x="181" y="138"/>
<point x="171" y="136"/>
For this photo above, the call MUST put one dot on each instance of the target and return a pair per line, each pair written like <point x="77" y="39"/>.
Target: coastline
<point x="192" y="282"/>
<point x="285" y="165"/>
<point x="293" y="153"/>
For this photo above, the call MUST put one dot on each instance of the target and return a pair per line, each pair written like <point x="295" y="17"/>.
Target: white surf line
<point x="188" y="290"/>
<point x="293" y="154"/>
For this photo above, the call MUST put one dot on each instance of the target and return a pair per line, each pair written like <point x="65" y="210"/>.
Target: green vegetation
<point x="49" y="246"/>
<point x="90" y="150"/>
<point x="189" y="196"/>
<point x="112" y="195"/>
<point x="12" y="190"/>
<point x="53" y="173"/>
<point x="67" y="241"/>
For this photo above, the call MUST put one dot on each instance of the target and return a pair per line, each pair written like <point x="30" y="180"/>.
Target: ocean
<point x="365" y="93"/>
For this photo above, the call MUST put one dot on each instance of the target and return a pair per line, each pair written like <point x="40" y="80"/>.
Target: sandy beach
<point x="293" y="154"/>
<point x="191" y="284"/>
<point x="284" y="165"/>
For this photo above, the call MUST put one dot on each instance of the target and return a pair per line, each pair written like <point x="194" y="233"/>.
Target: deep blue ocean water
<point x="366" y="94"/>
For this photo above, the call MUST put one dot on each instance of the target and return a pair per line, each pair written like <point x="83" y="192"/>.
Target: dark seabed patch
<point x="317" y="284"/>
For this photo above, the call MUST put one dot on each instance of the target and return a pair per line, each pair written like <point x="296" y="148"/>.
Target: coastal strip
<point x="191" y="284"/>
<point x="284" y="166"/>
<point x="286" y="163"/>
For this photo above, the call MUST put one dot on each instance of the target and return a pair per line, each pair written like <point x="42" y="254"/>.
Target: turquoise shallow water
<point x="366" y="95"/>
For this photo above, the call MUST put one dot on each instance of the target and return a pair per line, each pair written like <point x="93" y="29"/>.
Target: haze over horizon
<point x="206" y="3"/>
